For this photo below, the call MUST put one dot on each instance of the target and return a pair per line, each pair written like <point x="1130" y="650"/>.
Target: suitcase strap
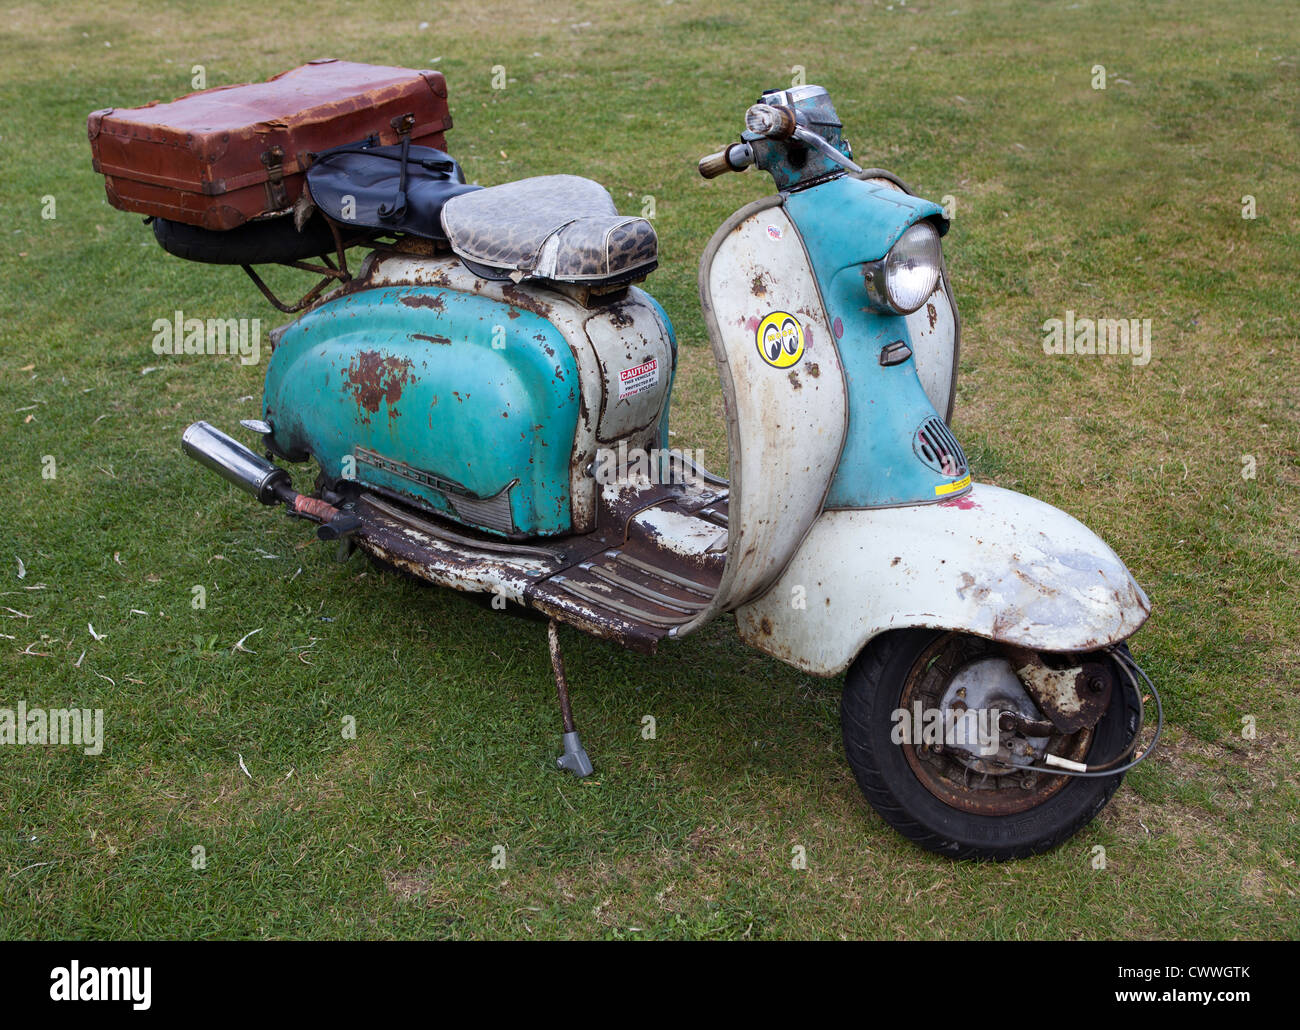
<point x="402" y="126"/>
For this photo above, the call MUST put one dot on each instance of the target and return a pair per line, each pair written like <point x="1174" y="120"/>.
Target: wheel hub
<point x="974" y="703"/>
<point x="980" y="761"/>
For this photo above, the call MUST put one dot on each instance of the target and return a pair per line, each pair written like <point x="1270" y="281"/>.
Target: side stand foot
<point x="575" y="758"/>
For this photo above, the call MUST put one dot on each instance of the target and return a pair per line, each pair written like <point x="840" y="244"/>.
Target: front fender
<point x="994" y="563"/>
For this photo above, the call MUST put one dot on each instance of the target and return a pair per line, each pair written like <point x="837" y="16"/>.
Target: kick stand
<point x="575" y="757"/>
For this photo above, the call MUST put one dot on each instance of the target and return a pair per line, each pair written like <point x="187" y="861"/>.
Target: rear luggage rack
<point x="329" y="272"/>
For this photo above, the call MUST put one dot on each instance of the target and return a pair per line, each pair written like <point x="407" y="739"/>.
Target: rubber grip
<point x="315" y="508"/>
<point x="713" y="165"/>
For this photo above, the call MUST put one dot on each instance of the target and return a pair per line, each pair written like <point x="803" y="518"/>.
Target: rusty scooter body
<point x="489" y="412"/>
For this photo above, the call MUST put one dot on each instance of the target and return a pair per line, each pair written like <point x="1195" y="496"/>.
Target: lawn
<point x="228" y="800"/>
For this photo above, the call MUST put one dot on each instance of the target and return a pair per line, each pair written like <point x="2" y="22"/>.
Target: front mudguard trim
<point x="993" y="563"/>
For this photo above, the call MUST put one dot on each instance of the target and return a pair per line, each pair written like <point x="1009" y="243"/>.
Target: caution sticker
<point x="952" y="488"/>
<point x="638" y="378"/>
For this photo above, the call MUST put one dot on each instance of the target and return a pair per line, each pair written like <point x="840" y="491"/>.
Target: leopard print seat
<point x="559" y="227"/>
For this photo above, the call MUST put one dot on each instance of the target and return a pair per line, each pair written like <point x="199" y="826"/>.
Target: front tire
<point x="933" y="798"/>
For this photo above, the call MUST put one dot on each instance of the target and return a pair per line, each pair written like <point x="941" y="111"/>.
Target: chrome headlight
<point x="903" y="279"/>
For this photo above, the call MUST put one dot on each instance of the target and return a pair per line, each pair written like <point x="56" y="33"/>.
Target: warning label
<point x="638" y="379"/>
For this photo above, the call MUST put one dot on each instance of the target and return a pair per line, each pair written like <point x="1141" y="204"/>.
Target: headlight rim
<point x="876" y="274"/>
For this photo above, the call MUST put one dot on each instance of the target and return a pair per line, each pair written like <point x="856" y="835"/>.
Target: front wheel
<point x="930" y="741"/>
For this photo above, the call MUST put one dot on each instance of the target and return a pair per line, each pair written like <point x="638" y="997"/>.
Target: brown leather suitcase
<point x="222" y="156"/>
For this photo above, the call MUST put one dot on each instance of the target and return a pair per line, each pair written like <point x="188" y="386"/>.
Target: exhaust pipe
<point x="269" y="483"/>
<point x="235" y="463"/>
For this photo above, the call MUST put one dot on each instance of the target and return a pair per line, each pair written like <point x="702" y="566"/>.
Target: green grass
<point x="1120" y="203"/>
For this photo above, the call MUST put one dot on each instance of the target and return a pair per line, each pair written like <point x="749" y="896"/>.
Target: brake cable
<point x="1129" y="666"/>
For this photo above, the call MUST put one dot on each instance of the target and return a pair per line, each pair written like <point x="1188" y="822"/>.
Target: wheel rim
<point x="960" y="676"/>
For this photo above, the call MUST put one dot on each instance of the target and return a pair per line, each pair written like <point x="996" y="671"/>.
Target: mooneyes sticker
<point x="780" y="339"/>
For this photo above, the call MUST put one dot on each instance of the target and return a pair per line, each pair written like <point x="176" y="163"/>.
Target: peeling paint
<point x="374" y="379"/>
<point x="424" y="300"/>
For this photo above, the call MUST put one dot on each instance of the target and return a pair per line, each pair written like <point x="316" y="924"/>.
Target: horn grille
<point x="938" y="448"/>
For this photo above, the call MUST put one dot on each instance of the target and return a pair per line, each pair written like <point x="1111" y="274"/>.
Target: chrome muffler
<point x="235" y="463"/>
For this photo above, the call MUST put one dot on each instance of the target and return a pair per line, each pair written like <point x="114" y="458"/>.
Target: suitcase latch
<point x="277" y="194"/>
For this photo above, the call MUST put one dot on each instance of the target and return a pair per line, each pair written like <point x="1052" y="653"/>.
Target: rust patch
<point x="933" y="315"/>
<point x="813" y="369"/>
<point x="794" y="380"/>
<point x="374" y="379"/>
<point x="757" y="287"/>
<point x="765" y="626"/>
<point x="430" y="339"/>
<point x="423" y="300"/>
<point x="514" y="295"/>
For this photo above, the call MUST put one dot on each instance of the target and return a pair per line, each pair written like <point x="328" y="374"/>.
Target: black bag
<point x="397" y="188"/>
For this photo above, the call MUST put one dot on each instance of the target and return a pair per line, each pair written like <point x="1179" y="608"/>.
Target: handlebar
<point x="763" y="119"/>
<point x="733" y="158"/>
<point x="775" y="122"/>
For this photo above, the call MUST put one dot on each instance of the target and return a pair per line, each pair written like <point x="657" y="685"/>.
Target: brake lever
<point x="821" y="146"/>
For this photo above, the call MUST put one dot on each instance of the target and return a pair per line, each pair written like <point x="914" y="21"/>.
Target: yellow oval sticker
<point x="780" y="339"/>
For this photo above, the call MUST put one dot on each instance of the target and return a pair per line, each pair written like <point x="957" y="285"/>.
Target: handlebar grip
<point x="734" y="158"/>
<point x="713" y="165"/>
<point x="775" y="121"/>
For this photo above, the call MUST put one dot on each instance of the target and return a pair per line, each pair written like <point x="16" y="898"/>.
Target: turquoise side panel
<point x="846" y="223"/>
<point x="458" y="395"/>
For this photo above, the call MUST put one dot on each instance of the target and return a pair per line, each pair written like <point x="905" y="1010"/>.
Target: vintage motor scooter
<point x="488" y="403"/>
